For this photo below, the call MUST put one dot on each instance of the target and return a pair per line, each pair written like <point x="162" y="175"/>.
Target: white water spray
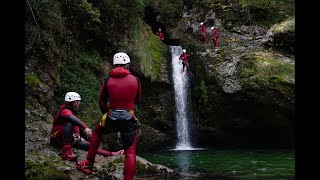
<point x="180" y="83"/>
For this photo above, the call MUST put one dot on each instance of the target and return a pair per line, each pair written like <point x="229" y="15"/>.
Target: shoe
<point x="68" y="155"/>
<point x="85" y="166"/>
<point x="118" y="152"/>
<point x="187" y="74"/>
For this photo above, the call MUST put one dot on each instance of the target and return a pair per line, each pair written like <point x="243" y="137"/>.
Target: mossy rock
<point x="282" y="36"/>
<point x="42" y="171"/>
<point x="267" y="78"/>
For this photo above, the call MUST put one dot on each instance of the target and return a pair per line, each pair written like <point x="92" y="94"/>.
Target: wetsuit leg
<point x="130" y="160"/>
<point x="94" y="143"/>
<point x="216" y="41"/>
<point x="183" y="66"/>
<point x="67" y="136"/>
<point x="129" y="139"/>
<point x="83" y="145"/>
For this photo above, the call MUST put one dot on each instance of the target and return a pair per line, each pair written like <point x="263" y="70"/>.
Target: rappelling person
<point x="184" y="57"/>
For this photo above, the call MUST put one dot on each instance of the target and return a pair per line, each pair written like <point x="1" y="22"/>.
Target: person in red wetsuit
<point x="202" y="33"/>
<point x="160" y="34"/>
<point x="214" y="36"/>
<point x="184" y="57"/>
<point x="66" y="129"/>
<point x="119" y="93"/>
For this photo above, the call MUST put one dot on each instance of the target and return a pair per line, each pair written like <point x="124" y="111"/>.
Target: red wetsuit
<point x="215" y="37"/>
<point x="66" y="131"/>
<point x="62" y="117"/>
<point x="118" y="95"/>
<point x="203" y="33"/>
<point x="184" y="58"/>
<point x="161" y="36"/>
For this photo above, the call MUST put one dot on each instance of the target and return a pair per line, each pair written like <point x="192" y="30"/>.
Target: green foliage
<point x="267" y="12"/>
<point x="137" y="6"/>
<point x="43" y="171"/>
<point x="150" y="51"/>
<point x="169" y="10"/>
<point x="260" y="12"/>
<point x="93" y="12"/>
<point x="83" y="74"/>
<point x="43" y="23"/>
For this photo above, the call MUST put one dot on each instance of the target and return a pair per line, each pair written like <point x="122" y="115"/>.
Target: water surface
<point x="227" y="164"/>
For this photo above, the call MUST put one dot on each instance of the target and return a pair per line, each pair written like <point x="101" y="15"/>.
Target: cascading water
<point x="180" y="83"/>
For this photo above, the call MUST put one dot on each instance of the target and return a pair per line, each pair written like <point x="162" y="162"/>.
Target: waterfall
<point x="181" y="88"/>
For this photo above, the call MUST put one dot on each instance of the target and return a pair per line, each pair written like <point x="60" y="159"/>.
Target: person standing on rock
<point x="202" y="33"/>
<point x="184" y="57"/>
<point x="214" y="36"/>
<point x="118" y="95"/>
<point x="160" y="34"/>
<point x="66" y="129"/>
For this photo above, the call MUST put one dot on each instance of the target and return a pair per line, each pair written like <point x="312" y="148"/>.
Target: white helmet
<point x="72" y="96"/>
<point x="201" y="23"/>
<point x="212" y="27"/>
<point x="121" y="58"/>
<point x="184" y="51"/>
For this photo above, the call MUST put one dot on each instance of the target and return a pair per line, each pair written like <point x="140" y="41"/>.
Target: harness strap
<point x="53" y="135"/>
<point x="104" y="117"/>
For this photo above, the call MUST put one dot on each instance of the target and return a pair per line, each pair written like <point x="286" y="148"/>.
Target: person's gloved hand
<point x="88" y="132"/>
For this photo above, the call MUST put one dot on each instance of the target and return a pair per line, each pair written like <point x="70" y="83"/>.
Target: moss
<point x="42" y="171"/>
<point x="282" y="36"/>
<point x="149" y="50"/>
<point x="33" y="82"/>
<point x="268" y="79"/>
<point x="114" y="164"/>
<point x="284" y="26"/>
<point x="261" y="70"/>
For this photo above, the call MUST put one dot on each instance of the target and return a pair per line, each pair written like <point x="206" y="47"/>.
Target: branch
<point x="33" y="14"/>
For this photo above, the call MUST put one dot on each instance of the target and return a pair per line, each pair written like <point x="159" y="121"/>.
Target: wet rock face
<point x="228" y="105"/>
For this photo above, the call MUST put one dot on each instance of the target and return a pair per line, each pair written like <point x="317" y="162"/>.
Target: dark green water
<point x="228" y="164"/>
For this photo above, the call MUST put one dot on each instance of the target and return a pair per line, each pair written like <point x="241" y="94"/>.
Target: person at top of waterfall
<point x="160" y="34"/>
<point x="214" y="33"/>
<point x="66" y="128"/>
<point x="184" y="57"/>
<point x="119" y="93"/>
<point x="202" y="33"/>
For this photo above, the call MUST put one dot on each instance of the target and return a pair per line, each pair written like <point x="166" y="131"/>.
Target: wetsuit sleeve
<point x="103" y="98"/>
<point x="76" y="121"/>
